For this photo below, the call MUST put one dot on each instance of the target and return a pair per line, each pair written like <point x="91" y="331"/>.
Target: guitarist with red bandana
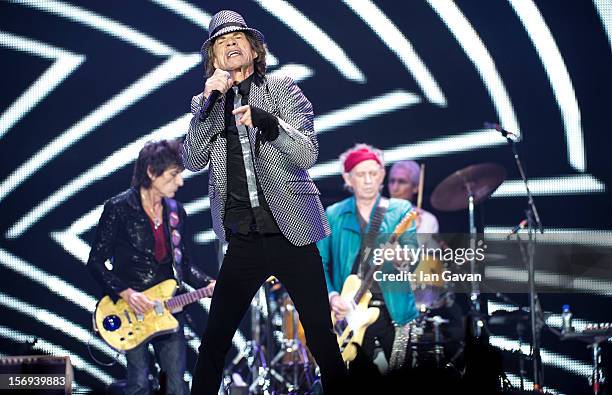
<point x="359" y="224"/>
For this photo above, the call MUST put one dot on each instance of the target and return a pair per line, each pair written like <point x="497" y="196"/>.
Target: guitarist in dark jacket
<point x="139" y="243"/>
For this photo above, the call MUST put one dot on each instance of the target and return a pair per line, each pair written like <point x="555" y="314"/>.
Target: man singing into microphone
<point x="258" y="141"/>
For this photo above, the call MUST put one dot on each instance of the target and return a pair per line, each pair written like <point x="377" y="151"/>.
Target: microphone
<point x="208" y="105"/>
<point x="521" y="225"/>
<point x="504" y="132"/>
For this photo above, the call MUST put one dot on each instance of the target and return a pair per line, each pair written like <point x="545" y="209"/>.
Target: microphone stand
<point x="534" y="224"/>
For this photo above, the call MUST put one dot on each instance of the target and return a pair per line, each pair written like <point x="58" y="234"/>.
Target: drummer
<point x="403" y="183"/>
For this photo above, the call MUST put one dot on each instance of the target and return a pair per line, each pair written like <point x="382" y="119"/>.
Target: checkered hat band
<point x="227" y="24"/>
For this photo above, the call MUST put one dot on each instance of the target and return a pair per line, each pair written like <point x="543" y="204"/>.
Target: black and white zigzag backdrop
<point x="85" y="84"/>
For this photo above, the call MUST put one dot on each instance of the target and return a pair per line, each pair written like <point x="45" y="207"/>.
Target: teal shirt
<point x="339" y="250"/>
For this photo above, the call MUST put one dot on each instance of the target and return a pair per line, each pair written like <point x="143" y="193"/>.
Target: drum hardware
<point x="421" y="349"/>
<point x="432" y="292"/>
<point x="254" y="352"/>
<point x="438" y="348"/>
<point x="277" y="358"/>
<point x="428" y="293"/>
<point x="520" y="319"/>
<point x="293" y="353"/>
<point x="594" y="335"/>
<point x="464" y="189"/>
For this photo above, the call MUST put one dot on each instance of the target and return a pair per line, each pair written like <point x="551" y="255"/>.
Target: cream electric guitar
<point x="124" y="330"/>
<point x="356" y="292"/>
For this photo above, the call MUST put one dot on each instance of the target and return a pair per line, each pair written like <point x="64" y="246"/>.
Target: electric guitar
<point x="123" y="329"/>
<point x="352" y="328"/>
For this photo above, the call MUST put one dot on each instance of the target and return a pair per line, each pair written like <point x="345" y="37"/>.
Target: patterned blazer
<point x="281" y="166"/>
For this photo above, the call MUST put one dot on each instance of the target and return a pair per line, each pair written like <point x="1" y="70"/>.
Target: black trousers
<point x="249" y="261"/>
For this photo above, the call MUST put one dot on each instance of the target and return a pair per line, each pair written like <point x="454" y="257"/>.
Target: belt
<point x="251" y="230"/>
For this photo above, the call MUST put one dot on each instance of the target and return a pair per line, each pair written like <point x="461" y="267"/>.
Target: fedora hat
<point x="224" y="22"/>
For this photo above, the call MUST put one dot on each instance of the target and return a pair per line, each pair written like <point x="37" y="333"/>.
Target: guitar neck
<point x="177" y="302"/>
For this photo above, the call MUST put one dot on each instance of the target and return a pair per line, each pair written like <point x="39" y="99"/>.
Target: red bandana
<point x="356" y="157"/>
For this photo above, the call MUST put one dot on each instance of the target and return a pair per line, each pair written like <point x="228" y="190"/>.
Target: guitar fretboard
<point x="179" y="301"/>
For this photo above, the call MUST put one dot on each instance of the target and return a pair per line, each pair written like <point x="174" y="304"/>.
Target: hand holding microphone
<point x="220" y="81"/>
<point x="215" y="86"/>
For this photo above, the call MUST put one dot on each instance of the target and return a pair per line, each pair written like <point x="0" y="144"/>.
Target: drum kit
<point x="463" y="189"/>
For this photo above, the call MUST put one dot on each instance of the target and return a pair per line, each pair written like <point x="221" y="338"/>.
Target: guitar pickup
<point x="158" y="308"/>
<point x="127" y="315"/>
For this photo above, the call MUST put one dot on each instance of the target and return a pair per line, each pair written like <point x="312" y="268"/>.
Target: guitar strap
<point x="172" y="224"/>
<point x="368" y="242"/>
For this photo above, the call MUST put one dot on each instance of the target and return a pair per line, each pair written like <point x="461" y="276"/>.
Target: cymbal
<point x="481" y="180"/>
